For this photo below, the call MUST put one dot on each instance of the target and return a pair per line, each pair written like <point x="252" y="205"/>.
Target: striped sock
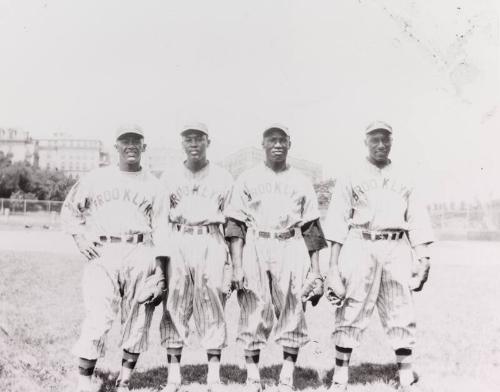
<point x="85" y="370"/>
<point x="129" y="360"/>
<point x="289" y="360"/>
<point x="342" y="358"/>
<point x="252" y="358"/>
<point x="213" y="357"/>
<point x="174" y="365"/>
<point x="404" y="360"/>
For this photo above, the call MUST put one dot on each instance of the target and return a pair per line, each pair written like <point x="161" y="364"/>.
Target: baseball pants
<point x="111" y="284"/>
<point x="195" y="288"/>
<point x="275" y="271"/>
<point x="376" y="273"/>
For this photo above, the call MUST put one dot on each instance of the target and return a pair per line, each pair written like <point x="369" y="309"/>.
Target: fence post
<point x="24" y="206"/>
<point x="49" y="206"/>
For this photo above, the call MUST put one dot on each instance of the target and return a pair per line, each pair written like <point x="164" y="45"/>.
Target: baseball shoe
<point x="253" y="386"/>
<point x="171" y="387"/>
<point x="215" y="387"/>
<point x="285" y="386"/>
<point x="337" y="387"/>
<point x="122" y="386"/>
<point x="413" y="387"/>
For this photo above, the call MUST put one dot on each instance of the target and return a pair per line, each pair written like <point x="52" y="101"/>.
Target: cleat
<point x="413" y="387"/>
<point x="285" y="386"/>
<point x="122" y="386"/>
<point x="171" y="387"/>
<point x="337" y="387"/>
<point x="215" y="386"/>
<point x="253" y="386"/>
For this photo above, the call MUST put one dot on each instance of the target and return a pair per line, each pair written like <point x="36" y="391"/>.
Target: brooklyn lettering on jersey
<point x="383" y="183"/>
<point x="197" y="190"/>
<point x="275" y="188"/>
<point x="143" y="203"/>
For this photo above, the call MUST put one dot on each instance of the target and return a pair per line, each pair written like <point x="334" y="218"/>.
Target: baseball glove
<point x="335" y="289"/>
<point x="227" y="275"/>
<point x="421" y="274"/>
<point x="153" y="290"/>
<point x="312" y="290"/>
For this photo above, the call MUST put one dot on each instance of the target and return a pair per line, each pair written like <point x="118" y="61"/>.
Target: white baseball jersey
<point x="376" y="273"/>
<point x="108" y="201"/>
<point x="111" y="202"/>
<point x="275" y="269"/>
<point x="198" y="259"/>
<point x="273" y="201"/>
<point x="196" y="198"/>
<point x="377" y="199"/>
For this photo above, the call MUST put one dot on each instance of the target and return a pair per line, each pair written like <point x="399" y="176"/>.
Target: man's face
<point x="276" y="145"/>
<point x="379" y="144"/>
<point x="130" y="146"/>
<point x="195" y="144"/>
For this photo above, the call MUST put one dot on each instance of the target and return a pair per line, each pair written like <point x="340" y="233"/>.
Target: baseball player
<point x="199" y="271"/>
<point x="376" y="223"/>
<point x="111" y="214"/>
<point x="275" y="238"/>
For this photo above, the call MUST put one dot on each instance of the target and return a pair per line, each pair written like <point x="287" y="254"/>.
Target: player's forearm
<point x="314" y="255"/>
<point x="161" y="267"/>
<point x="334" y="254"/>
<point x="236" y="250"/>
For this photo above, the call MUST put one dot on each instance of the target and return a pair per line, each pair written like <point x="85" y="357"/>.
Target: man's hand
<point x="421" y="275"/>
<point x="86" y="247"/>
<point x="335" y="289"/>
<point x="153" y="291"/>
<point x="312" y="290"/>
<point x="238" y="280"/>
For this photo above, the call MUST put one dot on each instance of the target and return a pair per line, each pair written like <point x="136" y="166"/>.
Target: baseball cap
<point x="275" y="126"/>
<point x="122" y="130"/>
<point x="196" y="126"/>
<point x="376" y="125"/>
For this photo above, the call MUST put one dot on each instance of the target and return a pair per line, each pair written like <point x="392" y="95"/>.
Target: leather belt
<point x="376" y="235"/>
<point x="129" y="238"/>
<point x="280" y="235"/>
<point x="202" y="229"/>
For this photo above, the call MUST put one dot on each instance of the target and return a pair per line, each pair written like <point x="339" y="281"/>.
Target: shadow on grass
<point x="303" y="377"/>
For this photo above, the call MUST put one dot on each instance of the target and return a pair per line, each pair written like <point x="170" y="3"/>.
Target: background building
<point x="18" y="144"/>
<point x="157" y="159"/>
<point x="248" y="157"/>
<point x="72" y="156"/>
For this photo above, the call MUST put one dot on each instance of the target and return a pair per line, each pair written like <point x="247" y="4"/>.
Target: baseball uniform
<point x="274" y="206"/>
<point x="378" y="216"/>
<point x="199" y="255"/>
<point x="116" y="210"/>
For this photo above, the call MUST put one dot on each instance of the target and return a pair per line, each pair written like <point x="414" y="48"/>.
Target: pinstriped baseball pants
<point x="110" y="284"/>
<point x="376" y="274"/>
<point x="195" y="280"/>
<point x="275" y="271"/>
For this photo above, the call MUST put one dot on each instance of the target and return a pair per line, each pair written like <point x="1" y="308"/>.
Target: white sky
<point x="325" y="68"/>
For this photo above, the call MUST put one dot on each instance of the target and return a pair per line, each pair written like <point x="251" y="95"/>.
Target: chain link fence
<point x="450" y="221"/>
<point x="29" y="213"/>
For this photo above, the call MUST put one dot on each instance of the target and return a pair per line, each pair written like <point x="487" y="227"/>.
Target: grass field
<point x="458" y="331"/>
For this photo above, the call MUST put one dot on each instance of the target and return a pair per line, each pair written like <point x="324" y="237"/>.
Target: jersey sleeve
<point x="336" y="224"/>
<point x="160" y="219"/>
<point x="310" y="210"/>
<point x="418" y="220"/>
<point x="75" y="211"/>
<point x="237" y="206"/>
